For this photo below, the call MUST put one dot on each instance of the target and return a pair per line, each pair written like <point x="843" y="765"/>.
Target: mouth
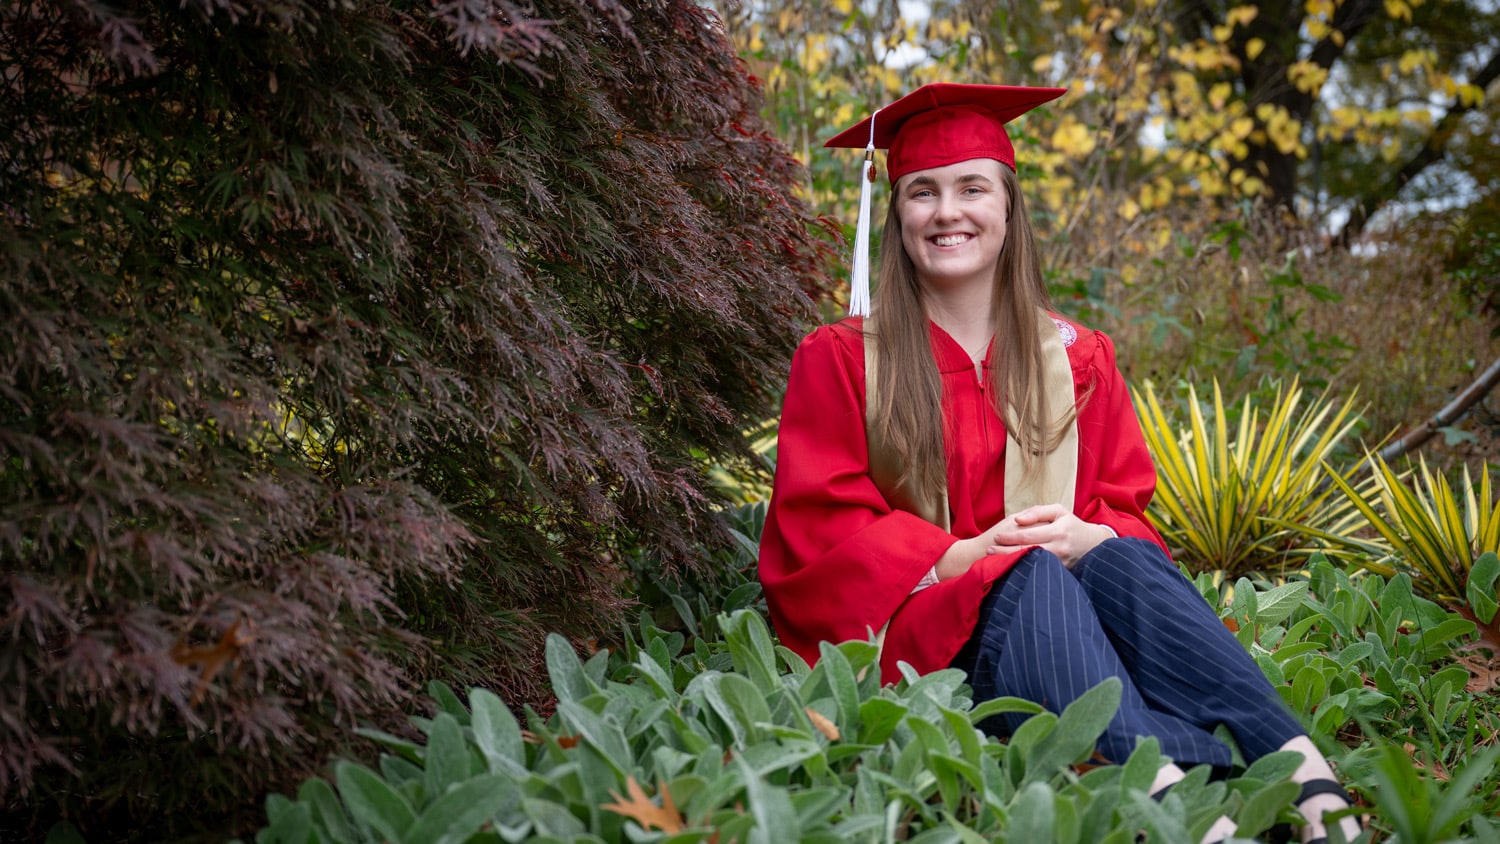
<point x="951" y="239"/>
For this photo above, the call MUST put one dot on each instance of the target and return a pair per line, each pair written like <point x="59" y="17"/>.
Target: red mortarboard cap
<point x="944" y="123"/>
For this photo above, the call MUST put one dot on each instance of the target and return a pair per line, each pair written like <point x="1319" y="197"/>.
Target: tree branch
<point x="1417" y="437"/>
<point x="1350" y="18"/>
<point x="1432" y="151"/>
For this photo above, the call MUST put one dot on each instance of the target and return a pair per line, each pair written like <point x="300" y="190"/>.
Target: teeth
<point x="950" y="239"/>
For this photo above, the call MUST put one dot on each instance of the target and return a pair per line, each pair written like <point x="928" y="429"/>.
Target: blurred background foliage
<point x="1232" y="190"/>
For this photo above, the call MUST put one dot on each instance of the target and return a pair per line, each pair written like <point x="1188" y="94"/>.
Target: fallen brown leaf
<point x="829" y="729"/>
<point x="1484" y="673"/>
<point x="640" y="809"/>
<point x="212" y="658"/>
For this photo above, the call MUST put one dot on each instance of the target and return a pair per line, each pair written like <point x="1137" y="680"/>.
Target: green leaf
<point x="816" y="806"/>
<point x="565" y="670"/>
<point x="496" y="732"/>
<point x="1480" y="589"/>
<point x="289" y="823"/>
<point x="603" y="736"/>
<point x="840" y="676"/>
<point x="776" y="821"/>
<point x="1275" y="766"/>
<point x="1453" y="628"/>
<point x="1079" y="727"/>
<point x="373" y="805"/>
<point x="751" y="648"/>
<point x="327" y="812"/>
<point x="969" y="740"/>
<point x="406" y="748"/>
<point x="1032" y="814"/>
<point x="1260" y="810"/>
<point x="447" y="701"/>
<point x="1139" y="771"/>
<point x="1275" y="605"/>
<point x="397" y="772"/>
<point x="553" y="819"/>
<point x="878" y="718"/>
<point x="447" y="759"/>
<point x="1001" y="705"/>
<point x="464" y="810"/>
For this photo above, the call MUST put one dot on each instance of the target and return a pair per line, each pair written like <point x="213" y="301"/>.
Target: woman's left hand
<point x="1050" y="526"/>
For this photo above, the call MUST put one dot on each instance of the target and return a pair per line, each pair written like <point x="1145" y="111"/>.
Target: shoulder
<point x="843" y="339"/>
<point x="830" y="357"/>
<point x="1088" y="349"/>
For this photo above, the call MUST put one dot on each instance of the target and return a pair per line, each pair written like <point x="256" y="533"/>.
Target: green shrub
<point x="1247" y="497"/>
<point x="1368" y="666"/>
<point x="1446" y="541"/>
<point x="728" y="737"/>
<point x="737" y="740"/>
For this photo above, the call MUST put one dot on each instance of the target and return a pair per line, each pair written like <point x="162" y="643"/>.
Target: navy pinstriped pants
<point x="1048" y="634"/>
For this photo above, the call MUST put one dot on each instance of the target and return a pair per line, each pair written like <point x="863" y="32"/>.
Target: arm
<point x="1116" y="477"/>
<point x="835" y="559"/>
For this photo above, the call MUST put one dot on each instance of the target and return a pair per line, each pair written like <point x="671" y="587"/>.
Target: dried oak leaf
<point x="1484" y="673"/>
<point x="565" y="742"/>
<point x="640" y="809"/>
<point x="829" y="729"/>
<point x="212" y="659"/>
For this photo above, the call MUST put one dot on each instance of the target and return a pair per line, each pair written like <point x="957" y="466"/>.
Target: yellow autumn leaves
<point x="1148" y="96"/>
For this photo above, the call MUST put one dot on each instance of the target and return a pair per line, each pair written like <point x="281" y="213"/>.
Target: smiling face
<point x="953" y="222"/>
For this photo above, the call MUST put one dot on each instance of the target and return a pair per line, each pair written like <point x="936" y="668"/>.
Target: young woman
<point x="962" y="474"/>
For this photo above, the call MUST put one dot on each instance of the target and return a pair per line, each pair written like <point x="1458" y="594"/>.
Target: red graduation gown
<point x="837" y="561"/>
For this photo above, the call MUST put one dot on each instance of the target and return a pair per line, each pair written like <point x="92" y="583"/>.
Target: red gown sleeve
<point x="835" y="560"/>
<point x="1116" y="475"/>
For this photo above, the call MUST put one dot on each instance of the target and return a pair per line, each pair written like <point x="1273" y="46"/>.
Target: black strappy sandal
<point x="1313" y="788"/>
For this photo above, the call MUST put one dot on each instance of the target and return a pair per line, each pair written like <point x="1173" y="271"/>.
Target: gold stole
<point x="1054" y="483"/>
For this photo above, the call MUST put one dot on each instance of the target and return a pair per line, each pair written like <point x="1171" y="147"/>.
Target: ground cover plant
<point x="724" y="736"/>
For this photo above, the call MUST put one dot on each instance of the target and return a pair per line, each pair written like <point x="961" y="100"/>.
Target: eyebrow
<point x="967" y="178"/>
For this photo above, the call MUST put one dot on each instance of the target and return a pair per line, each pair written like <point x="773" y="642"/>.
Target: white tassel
<point x="859" y="274"/>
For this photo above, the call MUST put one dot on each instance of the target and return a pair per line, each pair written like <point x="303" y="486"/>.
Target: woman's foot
<point x="1321" y="797"/>
<point x="1321" y="794"/>
<point x="1170" y="775"/>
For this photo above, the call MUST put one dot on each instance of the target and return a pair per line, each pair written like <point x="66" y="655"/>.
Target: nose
<point x="947" y="206"/>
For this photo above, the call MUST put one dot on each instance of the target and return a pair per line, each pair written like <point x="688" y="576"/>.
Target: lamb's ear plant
<point x="735" y="739"/>
<point x="1245" y="497"/>
<point x="1446" y="540"/>
<point x="1366" y="663"/>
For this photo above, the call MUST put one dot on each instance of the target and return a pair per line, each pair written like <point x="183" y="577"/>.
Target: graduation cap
<point x="936" y="125"/>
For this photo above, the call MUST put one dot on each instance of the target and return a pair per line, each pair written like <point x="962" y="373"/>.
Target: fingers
<point x="1040" y="514"/>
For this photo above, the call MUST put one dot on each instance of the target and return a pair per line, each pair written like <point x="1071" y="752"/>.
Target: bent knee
<point x="1122" y="559"/>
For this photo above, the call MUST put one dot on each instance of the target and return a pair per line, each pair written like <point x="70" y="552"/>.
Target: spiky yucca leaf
<point x="1433" y="539"/>
<point x="1251" y="498"/>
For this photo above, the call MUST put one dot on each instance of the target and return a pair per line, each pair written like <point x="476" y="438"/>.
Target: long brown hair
<point x="909" y="393"/>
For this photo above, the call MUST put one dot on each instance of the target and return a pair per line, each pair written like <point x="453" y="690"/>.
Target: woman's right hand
<point x="963" y="554"/>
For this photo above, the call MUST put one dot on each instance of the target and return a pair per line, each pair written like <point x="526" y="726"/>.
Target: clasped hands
<point x="1049" y="526"/>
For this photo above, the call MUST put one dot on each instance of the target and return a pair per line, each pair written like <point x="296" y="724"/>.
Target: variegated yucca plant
<point x="1446" y="541"/>
<point x="1248" y="497"/>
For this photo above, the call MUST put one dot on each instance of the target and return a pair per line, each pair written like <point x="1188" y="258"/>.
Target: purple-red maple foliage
<point x="348" y="344"/>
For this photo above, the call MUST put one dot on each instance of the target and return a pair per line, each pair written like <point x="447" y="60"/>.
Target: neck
<point x="966" y="315"/>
